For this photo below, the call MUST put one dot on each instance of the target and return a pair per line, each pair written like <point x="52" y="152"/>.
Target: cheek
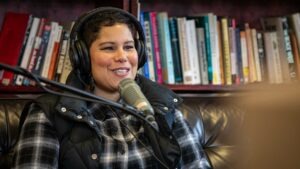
<point x="134" y="60"/>
<point x="100" y="62"/>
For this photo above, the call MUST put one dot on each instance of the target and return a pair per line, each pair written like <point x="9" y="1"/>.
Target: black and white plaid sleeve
<point x="193" y="156"/>
<point x="38" y="146"/>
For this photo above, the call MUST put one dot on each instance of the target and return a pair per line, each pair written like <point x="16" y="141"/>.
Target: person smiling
<point x="106" y="47"/>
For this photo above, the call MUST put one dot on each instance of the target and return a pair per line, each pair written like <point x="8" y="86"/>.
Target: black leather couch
<point x="215" y="119"/>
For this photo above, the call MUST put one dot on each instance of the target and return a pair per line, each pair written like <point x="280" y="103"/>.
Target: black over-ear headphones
<point x="79" y="52"/>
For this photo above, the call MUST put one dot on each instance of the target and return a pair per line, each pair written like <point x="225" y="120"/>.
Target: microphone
<point x="133" y="95"/>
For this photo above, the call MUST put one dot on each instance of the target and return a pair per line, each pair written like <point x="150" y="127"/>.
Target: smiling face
<point x="113" y="58"/>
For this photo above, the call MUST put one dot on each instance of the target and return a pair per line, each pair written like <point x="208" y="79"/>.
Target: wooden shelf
<point x="20" y="90"/>
<point x="202" y="88"/>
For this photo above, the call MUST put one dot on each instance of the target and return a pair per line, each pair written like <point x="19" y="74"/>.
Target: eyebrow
<point x="111" y="43"/>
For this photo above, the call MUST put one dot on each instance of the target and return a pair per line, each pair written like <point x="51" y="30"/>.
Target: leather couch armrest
<point x="215" y="122"/>
<point x="10" y="111"/>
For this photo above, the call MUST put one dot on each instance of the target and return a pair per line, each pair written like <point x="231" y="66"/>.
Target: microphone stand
<point x="76" y="93"/>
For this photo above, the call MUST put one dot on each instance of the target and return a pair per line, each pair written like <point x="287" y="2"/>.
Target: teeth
<point x="121" y="71"/>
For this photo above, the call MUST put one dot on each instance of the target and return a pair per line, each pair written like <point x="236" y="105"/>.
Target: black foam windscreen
<point x="79" y="52"/>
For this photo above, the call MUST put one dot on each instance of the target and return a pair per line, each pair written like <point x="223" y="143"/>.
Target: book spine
<point x="159" y="78"/>
<point x="49" y="50"/>
<point x="186" y="69"/>
<point x="175" y="50"/>
<point x="149" y="45"/>
<point x="232" y="49"/>
<point x="193" y="57"/>
<point x="215" y="54"/>
<point x="262" y="57"/>
<point x="240" y="76"/>
<point x="54" y="57"/>
<point x="202" y="55"/>
<point x="288" y="49"/>
<point x="295" y="52"/>
<point x="244" y="55"/>
<point x="226" y="51"/>
<point x="255" y="54"/>
<point x="276" y="56"/>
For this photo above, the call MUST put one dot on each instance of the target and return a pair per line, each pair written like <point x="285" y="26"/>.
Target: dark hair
<point x="93" y="26"/>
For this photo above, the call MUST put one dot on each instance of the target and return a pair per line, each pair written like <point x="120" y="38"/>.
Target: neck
<point x="114" y="95"/>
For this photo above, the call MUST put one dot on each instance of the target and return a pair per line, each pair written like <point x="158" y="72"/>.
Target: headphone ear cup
<point x="83" y="61"/>
<point x="140" y="47"/>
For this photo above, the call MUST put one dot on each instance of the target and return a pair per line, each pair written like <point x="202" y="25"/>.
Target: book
<point x="244" y="56"/>
<point x="145" y="69"/>
<point x="13" y="31"/>
<point x="193" y="57"/>
<point x="232" y="48"/>
<point x="262" y="56"/>
<point x="219" y="30"/>
<point x="255" y="54"/>
<point x="54" y="57"/>
<point x="202" y="55"/>
<point x="186" y="69"/>
<point x="175" y="50"/>
<point x="288" y="48"/>
<point x="215" y="48"/>
<point x="28" y="48"/>
<point x="158" y="68"/>
<point x="240" y="77"/>
<point x="165" y="48"/>
<point x="49" y="50"/>
<point x="296" y="53"/>
<point x="273" y="57"/>
<point x="226" y="51"/>
<point x="294" y="20"/>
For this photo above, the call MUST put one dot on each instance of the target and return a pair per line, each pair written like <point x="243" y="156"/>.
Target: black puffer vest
<point x="80" y="139"/>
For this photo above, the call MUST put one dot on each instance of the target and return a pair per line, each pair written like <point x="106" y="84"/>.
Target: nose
<point x="121" y="56"/>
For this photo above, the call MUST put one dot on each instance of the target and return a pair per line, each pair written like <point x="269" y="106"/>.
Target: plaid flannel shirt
<point x="38" y="147"/>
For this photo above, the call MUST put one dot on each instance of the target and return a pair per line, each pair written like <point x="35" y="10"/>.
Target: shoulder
<point x="158" y="95"/>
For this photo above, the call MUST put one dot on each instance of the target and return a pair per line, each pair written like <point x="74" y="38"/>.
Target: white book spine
<point x="186" y="69"/>
<point x="256" y="55"/>
<point x="149" y="49"/>
<point x="28" y="48"/>
<point x="50" y="46"/>
<point x="215" y="54"/>
<point x="202" y="55"/>
<point x="193" y="52"/>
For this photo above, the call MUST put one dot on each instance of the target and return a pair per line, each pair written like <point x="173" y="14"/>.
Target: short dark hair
<point x="93" y="26"/>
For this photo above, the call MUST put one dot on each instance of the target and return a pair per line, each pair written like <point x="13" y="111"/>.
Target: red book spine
<point x="159" y="78"/>
<point x="14" y="28"/>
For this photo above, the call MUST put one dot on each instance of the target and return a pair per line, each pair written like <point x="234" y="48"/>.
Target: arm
<point x="192" y="152"/>
<point x="38" y="146"/>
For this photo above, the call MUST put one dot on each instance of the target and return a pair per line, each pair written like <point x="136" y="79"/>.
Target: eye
<point x="107" y="48"/>
<point x="129" y="47"/>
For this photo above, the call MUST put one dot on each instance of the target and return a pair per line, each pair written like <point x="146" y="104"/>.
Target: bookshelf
<point x="242" y="10"/>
